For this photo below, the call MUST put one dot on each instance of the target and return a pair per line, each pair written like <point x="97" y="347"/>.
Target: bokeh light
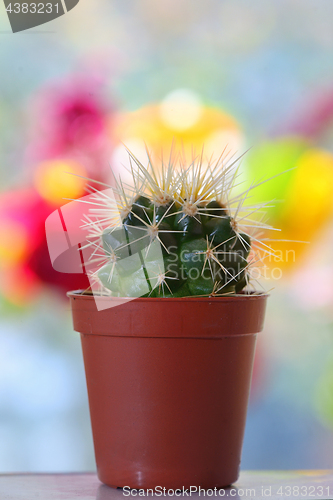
<point x="57" y="180"/>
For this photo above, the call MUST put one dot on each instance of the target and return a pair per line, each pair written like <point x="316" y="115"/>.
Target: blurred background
<point x="255" y="75"/>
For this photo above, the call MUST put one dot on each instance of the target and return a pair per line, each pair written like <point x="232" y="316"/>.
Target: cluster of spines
<point x="205" y="233"/>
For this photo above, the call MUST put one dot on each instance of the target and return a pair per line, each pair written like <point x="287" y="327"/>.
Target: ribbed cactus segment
<point x="180" y="232"/>
<point x="199" y="254"/>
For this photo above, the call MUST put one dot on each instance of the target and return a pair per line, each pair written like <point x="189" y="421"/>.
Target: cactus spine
<point x="180" y="232"/>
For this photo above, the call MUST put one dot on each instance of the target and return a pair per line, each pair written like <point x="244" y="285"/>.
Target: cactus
<point x="180" y="232"/>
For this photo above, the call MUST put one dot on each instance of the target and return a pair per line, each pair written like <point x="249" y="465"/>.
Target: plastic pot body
<point x="168" y="385"/>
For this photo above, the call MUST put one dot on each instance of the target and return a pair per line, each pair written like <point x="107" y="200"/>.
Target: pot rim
<point x="228" y="298"/>
<point x="179" y="317"/>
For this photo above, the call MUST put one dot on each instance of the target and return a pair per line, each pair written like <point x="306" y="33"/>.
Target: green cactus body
<point x="189" y="227"/>
<point x="197" y="253"/>
<point x="179" y="241"/>
<point x="192" y="257"/>
<point x="242" y="245"/>
<point x="213" y="209"/>
<point x="141" y="212"/>
<point x="233" y="268"/>
<point x="166" y="213"/>
<point x="220" y="232"/>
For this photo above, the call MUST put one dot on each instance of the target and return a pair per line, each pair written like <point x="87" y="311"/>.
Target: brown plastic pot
<point x="168" y="385"/>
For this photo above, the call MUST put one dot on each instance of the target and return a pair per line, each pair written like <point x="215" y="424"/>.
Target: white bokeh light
<point x="181" y="109"/>
<point x="120" y="160"/>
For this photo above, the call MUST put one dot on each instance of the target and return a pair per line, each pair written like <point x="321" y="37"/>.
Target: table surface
<point x="252" y="485"/>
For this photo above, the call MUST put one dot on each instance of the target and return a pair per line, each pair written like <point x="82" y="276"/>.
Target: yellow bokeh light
<point x="13" y="243"/>
<point x="309" y="199"/>
<point x="214" y="130"/>
<point x="307" y="207"/>
<point x="54" y="180"/>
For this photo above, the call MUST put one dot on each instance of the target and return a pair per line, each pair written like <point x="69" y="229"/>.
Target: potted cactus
<point x="169" y="332"/>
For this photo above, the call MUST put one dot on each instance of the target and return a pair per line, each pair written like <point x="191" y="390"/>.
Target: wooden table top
<point x="252" y="485"/>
